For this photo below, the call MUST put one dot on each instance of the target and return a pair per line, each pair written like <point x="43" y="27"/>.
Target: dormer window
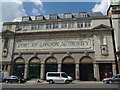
<point x="83" y="15"/>
<point x="53" y="16"/>
<point x="68" y="15"/>
<point x="40" y="17"/>
<point x="26" y="18"/>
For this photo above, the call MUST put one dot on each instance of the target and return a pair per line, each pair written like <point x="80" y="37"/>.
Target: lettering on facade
<point x="51" y="44"/>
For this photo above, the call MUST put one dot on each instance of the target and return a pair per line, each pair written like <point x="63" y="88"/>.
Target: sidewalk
<point x="76" y="81"/>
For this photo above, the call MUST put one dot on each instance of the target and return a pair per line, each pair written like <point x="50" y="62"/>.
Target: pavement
<point x="76" y="81"/>
<point x="99" y="85"/>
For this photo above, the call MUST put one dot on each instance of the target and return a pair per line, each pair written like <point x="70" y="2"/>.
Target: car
<point x="58" y="77"/>
<point x="114" y="79"/>
<point x="12" y="79"/>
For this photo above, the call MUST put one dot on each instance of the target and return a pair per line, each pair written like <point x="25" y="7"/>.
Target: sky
<point x="11" y="9"/>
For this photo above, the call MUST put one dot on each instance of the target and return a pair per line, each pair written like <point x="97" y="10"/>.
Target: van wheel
<point x="67" y="82"/>
<point x="51" y="82"/>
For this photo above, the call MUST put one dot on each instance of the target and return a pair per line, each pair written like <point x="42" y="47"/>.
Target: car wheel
<point x="6" y="81"/>
<point x="106" y="82"/>
<point x="110" y="82"/>
<point x="19" y="81"/>
<point x="67" y="82"/>
<point x="51" y="82"/>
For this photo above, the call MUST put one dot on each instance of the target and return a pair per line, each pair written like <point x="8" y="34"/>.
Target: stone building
<point x="80" y="44"/>
<point x="114" y="14"/>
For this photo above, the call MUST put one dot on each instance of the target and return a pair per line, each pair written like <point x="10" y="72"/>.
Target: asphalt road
<point x="72" y="85"/>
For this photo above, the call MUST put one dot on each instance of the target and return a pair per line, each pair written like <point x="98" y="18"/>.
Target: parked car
<point x="114" y="79"/>
<point x="11" y="79"/>
<point x="58" y="77"/>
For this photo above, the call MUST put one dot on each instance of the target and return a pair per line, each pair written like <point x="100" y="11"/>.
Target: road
<point x="80" y="85"/>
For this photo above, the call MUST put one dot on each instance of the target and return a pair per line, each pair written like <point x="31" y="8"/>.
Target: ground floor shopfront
<point x="87" y="69"/>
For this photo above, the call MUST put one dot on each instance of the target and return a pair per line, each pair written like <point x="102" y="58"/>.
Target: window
<point x="64" y="75"/>
<point x="6" y="67"/>
<point x="8" y="27"/>
<point x="48" y="26"/>
<point x="84" y="24"/>
<point x="83" y="15"/>
<point x="68" y="15"/>
<point x="115" y="76"/>
<point x="118" y="8"/>
<point x="70" y="25"/>
<point x="64" y="25"/>
<point x="54" y="74"/>
<point x="6" y="42"/>
<point x="22" y="27"/>
<point x="3" y="66"/>
<point x="80" y="24"/>
<point x="53" y="16"/>
<point x="26" y="18"/>
<point x="40" y="26"/>
<point x="0" y="67"/>
<point x="33" y="27"/>
<point x="55" y="26"/>
<point x="87" y="24"/>
<point x="39" y="17"/>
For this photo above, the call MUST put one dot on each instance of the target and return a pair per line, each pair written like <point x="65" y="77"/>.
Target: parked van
<point x="58" y="77"/>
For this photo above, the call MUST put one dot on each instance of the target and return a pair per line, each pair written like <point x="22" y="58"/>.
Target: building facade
<point x="80" y="44"/>
<point x="114" y="13"/>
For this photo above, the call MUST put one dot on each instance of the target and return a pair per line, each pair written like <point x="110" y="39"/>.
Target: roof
<point x="61" y="16"/>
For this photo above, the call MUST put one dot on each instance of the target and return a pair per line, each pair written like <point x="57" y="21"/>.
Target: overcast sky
<point x="12" y="9"/>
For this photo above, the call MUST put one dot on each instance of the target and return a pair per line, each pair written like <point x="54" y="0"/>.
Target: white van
<point x="58" y="77"/>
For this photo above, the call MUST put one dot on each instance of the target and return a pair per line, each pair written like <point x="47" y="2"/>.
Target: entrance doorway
<point x="34" y="68"/>
<point x="68" y="66"/>
<point x="86" y="69"/>
<point x="105" y="70"/>
<point x="19" y="66"/>
<point x="51" y="65"/>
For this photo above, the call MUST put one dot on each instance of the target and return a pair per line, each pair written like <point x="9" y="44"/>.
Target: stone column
<point x="8" y="69"/>
<point x="119" y="65"/>
<point x="26" y="71"/>
<point x="77" y="72"/>
<point x="42" y="71"/>
<point x="114" y="68"/>
<point x="59" y="67"/>
<point x="11" y="69"/>
<point x="96" y="71"/>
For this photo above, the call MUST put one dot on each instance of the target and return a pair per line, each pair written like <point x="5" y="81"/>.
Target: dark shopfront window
<point x="34" y="71"/>
<point x="105" y="70"/>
